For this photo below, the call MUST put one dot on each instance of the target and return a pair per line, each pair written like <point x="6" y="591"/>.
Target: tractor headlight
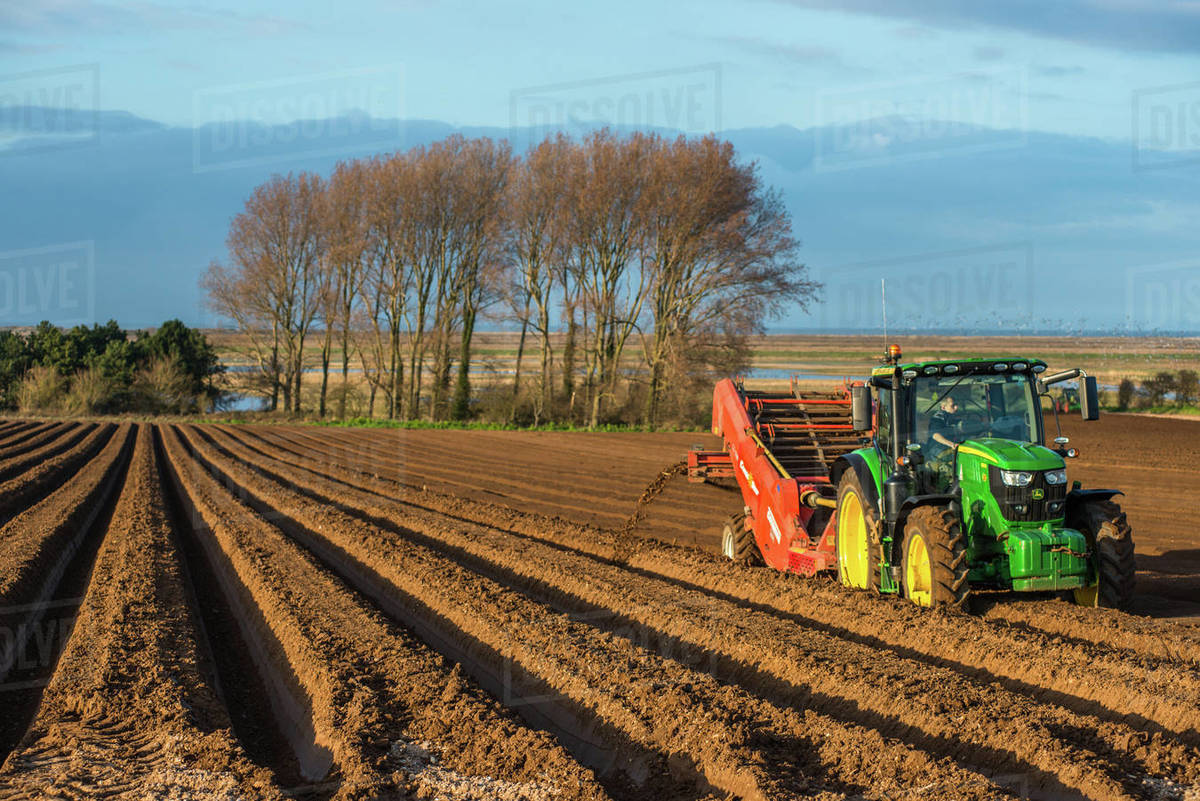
<point x="1016" y="478"/>
<point x="1056" y="477"/>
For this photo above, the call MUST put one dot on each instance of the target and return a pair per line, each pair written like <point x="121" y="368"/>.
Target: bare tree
<point x="535" y="240"/>
<point x="392" y="237"/>
<point x="482" y="177"/>
<point x="607" y="237"/>
<point x="433" y="256"/>
<point x="346" y="234"/>
<point x="719" y="252"/>
<point x="274" y="246"/>
<point x="398" y="256"/>
<point x="231" y="294"/>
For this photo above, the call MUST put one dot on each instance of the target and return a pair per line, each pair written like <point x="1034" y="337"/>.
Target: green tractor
<point x="956" y="491"/>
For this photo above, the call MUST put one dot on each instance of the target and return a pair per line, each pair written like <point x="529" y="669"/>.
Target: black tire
<point x="1110" y="540"/>
<point x="737" y="542"/>
<point x="946" y="544"/>
<point x="849" y="483"/>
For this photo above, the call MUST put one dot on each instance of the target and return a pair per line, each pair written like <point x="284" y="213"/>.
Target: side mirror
<point x="860" y="408"/>
<point x="1089" y="399"/>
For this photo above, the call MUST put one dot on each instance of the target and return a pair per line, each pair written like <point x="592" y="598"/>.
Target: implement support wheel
<point x="934" y="559"/>
<point x="737" y="543"/>
<point x="858" y="563"/>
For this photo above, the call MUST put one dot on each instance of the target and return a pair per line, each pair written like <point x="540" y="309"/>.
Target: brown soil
<point x="453" y="614"/>
<point x="41" y="479"/>
<point x="16" y="459"/>
<point x="617" y="687"/>
<point x="1077" y="684"/>
<point x="128" y="708"/>
<point x="15" y="432"/>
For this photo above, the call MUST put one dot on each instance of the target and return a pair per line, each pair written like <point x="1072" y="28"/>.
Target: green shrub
<point x="1156" y="388"/>
<point x="1187" y="387"/>
<point x="1125" y="393"/>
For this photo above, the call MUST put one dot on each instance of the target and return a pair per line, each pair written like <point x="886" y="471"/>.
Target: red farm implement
<point x="779" y="447"/>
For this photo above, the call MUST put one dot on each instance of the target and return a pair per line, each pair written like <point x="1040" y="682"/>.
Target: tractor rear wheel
<point x="934" y="559"/>
<point x="857" y="520"/>
<point x="1110" y="539"/>
<point x="737" y="542"/>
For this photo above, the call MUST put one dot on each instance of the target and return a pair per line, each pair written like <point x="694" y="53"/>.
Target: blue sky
<point x="1080" y="60"/>
<point x="977" y="148"/>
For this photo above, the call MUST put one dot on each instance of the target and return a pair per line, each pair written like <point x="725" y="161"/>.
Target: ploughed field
<point x="268" y="612"/>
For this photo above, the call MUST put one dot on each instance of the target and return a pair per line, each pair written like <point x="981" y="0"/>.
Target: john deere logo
<point x="1038" y="494"/>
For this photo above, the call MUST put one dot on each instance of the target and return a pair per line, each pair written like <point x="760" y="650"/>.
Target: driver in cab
<point x="943" y="426"/>
<point x="943" y="439"/>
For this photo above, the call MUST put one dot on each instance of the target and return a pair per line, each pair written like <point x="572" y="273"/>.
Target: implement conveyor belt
<point x="804" y="431"/>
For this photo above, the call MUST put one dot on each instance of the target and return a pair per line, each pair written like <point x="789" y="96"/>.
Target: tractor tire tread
<point x="1110" y="534"/>
<point x="874" y="551"/>
<point x="947" y="551"/>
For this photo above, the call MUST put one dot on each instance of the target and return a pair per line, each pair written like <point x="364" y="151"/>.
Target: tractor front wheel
<point x="934" y="559"/>
<point x="1110" y="540"/>
<point x="737" y="542"/>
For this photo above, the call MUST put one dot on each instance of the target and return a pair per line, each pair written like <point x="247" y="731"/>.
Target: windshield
<point x="956" y="408"/>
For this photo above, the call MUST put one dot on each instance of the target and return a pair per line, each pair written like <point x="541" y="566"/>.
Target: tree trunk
<point x="286" y="386"/>
<point x="462" y="390"/>
<point x="544" y="390"/>
<point x="568" y="376"/>
<point x="326" y="356"/>
<point x="517" y="370"/>
<point x="651" y="413"/>
<point x="397" y="372"/>
<point x="274" y="368"/>
<point x="345" y="372"/>
<point x="595" y="417"/>
<point x="298" y="374"/>
<point x="416" y="368"/>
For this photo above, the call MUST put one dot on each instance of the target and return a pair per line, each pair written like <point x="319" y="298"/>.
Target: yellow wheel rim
<point x="1087" y="596"/>
<point x="852" y="542"/>
<point x="918" y="576"/>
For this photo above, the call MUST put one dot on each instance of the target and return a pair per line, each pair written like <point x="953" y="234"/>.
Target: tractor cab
<point x="942" y="406"/>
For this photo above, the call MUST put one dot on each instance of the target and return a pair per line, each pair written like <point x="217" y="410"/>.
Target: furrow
<point x="22" y="431"/>
<point x="583" y="657"/>
<point x="360" y="687"/>
<point x="39" y="449"/>
<point x="46" y="557"/>
<point x="127" y="708"/>
<point x="1142" y="638"/>
<point x="1058" y="733"/>
<point x="35" y="439"/>
<point x="470" y="468"/>
<point x="40" y="545"/>
<point x="27" y="489"/>
<point x="1087" y="677"/>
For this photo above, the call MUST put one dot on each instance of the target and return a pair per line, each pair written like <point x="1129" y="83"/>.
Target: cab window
<point x="883" y="419"/>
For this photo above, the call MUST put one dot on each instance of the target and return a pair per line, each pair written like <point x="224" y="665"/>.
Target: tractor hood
<point x="1011" y="455"/>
